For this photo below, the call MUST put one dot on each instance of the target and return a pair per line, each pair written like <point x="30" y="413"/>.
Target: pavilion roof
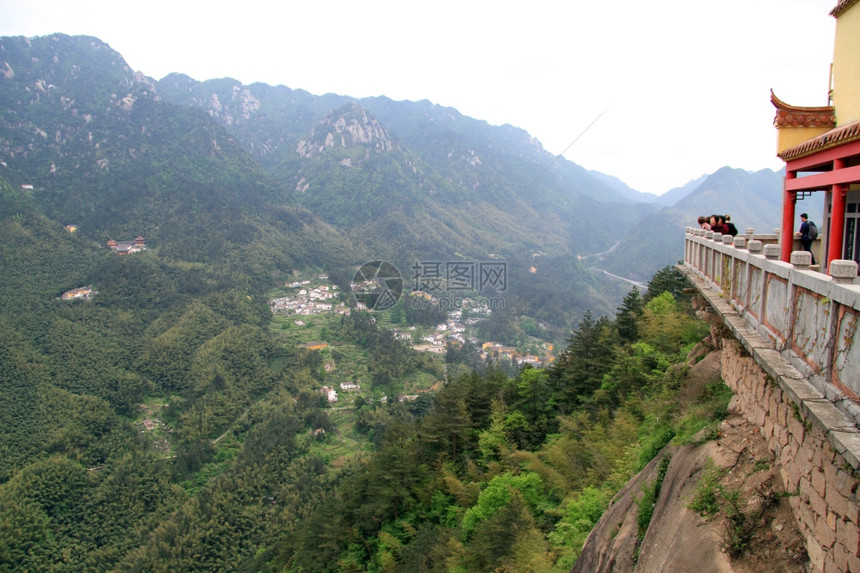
<point x="841" y="7"/>
<point x="841" y="135"/>
<point x="797" y="116"/>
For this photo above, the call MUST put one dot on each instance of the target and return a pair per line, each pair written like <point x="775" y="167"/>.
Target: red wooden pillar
<point x="786" y="238"/>
<point x="837" y="217"/>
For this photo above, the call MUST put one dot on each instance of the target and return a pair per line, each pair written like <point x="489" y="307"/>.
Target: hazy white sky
<point x="685" y="83"/>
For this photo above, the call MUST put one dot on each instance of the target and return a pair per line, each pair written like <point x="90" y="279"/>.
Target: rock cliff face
<point x="751" y="527"/>
<point x="346" y="128"/>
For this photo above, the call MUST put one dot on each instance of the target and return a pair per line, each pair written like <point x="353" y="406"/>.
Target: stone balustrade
<point x="807" y="316"/>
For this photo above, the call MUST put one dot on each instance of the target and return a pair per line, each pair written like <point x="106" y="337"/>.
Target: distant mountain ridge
<point x="675" y="194"/>
<point x="625" y="190"/>
<point x="751" y="198"/>
<point x="491" y="168"/>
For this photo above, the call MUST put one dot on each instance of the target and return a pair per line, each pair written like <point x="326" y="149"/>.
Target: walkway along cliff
<point x="785" y="460"/>
<point x="795" y="371"/>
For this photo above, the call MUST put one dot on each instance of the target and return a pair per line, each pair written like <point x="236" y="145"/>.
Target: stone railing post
<point x="801" y="259"/>
<point x="771" y="251"/>
<point x="843" y="271"/>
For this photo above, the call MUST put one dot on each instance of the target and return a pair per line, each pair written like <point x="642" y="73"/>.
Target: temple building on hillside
<point x="135" y="245"/>
<point x="821" y="149"/>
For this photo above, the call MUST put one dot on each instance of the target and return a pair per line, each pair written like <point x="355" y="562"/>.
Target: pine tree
<point x="627" y="316"/>
<point x="590" y="352"/>
<point x="668" y="279"/>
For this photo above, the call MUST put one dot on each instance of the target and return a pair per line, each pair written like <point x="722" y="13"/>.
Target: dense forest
<point x="492" y="471"/>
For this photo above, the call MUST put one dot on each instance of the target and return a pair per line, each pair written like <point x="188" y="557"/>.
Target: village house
<point x="82" y="293"/>
<point x="330" y="393"/>
<point x="455" y="327"/>
<point x="528" y="359"/>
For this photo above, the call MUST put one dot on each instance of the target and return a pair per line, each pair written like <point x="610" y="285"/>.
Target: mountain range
<point x="166" y="420"/>
<point x="287" y="178"/>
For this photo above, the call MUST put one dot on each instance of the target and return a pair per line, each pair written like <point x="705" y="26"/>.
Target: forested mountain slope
<point x="94" y="145"/>
<point x="499" y="173"/>
<point x="243" y="178"/>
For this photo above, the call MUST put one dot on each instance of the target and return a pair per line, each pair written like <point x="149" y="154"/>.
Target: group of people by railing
<point x="718" y="224"/>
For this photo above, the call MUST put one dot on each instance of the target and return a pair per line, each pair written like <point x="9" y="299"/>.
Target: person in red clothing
<point x="718" y="226"/>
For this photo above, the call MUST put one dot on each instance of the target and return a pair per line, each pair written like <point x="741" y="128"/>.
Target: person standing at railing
<point x="805" y="227"/>
<point x="733" y="231"/>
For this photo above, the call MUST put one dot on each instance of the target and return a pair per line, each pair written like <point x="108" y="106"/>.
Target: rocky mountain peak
<point x="347" y="127"/>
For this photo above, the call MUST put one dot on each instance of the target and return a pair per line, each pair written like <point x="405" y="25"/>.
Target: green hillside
<point x="157" y="415"/>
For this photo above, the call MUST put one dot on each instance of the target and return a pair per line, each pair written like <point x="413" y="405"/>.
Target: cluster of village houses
<point x="494" y="351"/>
<point x="309" y="300"/>
<point x="135" y="245"/>
<point x="331" y="394"/>
<point x="452" y="330"/>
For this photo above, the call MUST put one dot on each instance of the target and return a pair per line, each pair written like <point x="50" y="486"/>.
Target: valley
<point x="249" y="388"/>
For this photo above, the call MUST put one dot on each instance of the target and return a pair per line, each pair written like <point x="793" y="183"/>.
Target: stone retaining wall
<point x="825" y="503"/>
<point x="816" y="440"/>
